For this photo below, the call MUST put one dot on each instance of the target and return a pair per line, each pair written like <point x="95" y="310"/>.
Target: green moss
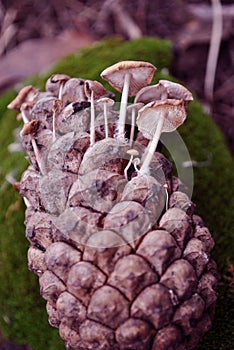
<point x="23" y="316"/>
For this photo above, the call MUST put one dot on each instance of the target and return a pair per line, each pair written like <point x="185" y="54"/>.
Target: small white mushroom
<point x="93" y="90"/>
<point x="128" y="77"/>
<point x="132" y="152"/>
<point x="106" y="102"/>
<point x="56" y="83"/>
<point x="155" y="118"/>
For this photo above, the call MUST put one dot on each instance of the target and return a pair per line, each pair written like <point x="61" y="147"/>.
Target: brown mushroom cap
<point x="55" y="78"/>
<point x="54" y="82"/>
<point x="141" y="75"/>
<point x="26" y="94"/>
<point x="172" y="110"/>
<point x="97" y="88"/>
<point x="30" y="128"/>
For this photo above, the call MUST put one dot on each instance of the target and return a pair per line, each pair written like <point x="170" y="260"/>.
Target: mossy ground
<point x="22" y="310"/>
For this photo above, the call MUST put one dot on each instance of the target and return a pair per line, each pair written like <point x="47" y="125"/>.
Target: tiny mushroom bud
<point x="133" y="109"/>
<point x="106" y="102"/>
<point x="30" y="129"/>
<point x="132" y="153"/>
<point x="157" y="117"/>
<point x="26" y="94"/>
<point x="128" y="77"/>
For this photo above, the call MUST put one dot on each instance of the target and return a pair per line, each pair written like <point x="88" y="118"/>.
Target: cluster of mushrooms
<point x="123" y="261"/>
<point x="156" y="108"/>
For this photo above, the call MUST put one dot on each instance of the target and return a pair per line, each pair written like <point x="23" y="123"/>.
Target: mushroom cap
<point x="151" y="93"/>
<point x="132" y="152"/>
<point x="175" y="90"/>
<point x="141" y="74"/>
<point x="106" y="100"/>
<point x="55" y="78"/>
<point x="30" y="128"/>
<point x="97" y="88"/>
<point x="54" y="82"/>
<point x="134" y="107"/>
<point x="172" y="110"/>
<point x="26" y="94"/>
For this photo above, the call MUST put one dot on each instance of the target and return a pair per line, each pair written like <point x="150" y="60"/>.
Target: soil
<point x="34" y="34"/>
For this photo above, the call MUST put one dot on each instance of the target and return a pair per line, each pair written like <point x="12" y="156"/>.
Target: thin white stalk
<point x="127" y="167"/>
<point x="60" y="94"/>
<point x="54" y="125"/>
<point x="26" y="202"/>
<point x="24" y="117"/>
<point x="152" y="147"/>
<point x="132" y="127"/>
<point x="38" y="156"/>
<point x="105" y="119"/>
<point x="167" y="196"/>
<point x="123" y="106"/>
<point x="92" y="120"/>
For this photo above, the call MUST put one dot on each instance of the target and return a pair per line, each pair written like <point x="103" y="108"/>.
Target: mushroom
<point x="165" y="89"/>
<point x="106" y="102"/>
<point x="93" y="90"/>
<point x="175" y="90"/>
<point x="30" y="129"/>
<point x="151" y="93"/>
<point x="132" y="153"/>
<point x="56" y="83"/>
<point x="133" y="109"/>
<point x="26" y="94"/>
<point x="155" y="118"/>
<point x="128" y="77"/>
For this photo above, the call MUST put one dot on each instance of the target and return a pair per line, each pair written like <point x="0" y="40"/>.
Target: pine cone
<point x="119" y="267"/>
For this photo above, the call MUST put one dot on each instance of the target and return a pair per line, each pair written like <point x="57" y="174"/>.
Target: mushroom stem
<point x="123" y="106"/>
<point x="105" y="119"/>
<point x="127" y="167"/>
<point x="132" y="127"/>
<point x="26" y="202"/>
<point x="152" y="146"/>
<point x="38" y="156"/>
<point x="167" y="196"/>
<point x="92" y="120"/>
<point x="24" y="117"/>
<point x="54" y="126"/>
<point x="60" y="94"/>
<point x="57" y="105"/>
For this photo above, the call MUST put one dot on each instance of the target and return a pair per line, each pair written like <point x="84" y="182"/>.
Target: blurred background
<point x="35" y="34"/>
